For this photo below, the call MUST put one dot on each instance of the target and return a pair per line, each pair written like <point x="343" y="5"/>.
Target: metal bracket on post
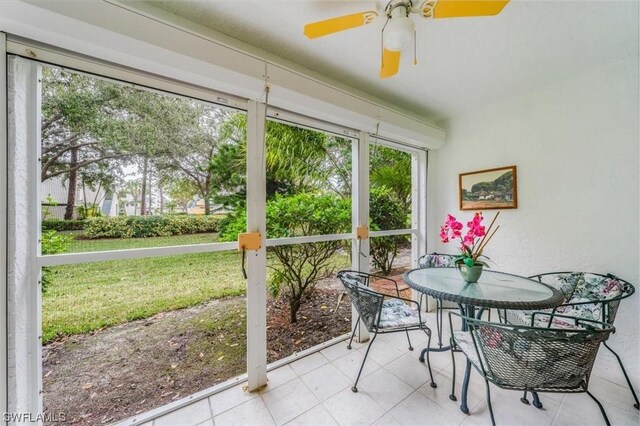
<point x="249" y="241"/>
<point x="362" y="232"/>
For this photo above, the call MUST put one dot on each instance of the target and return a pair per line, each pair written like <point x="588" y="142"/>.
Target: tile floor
<point x="393" y="390"/>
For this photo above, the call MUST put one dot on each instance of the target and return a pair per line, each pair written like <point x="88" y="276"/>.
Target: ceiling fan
<point x="399" y="30"/>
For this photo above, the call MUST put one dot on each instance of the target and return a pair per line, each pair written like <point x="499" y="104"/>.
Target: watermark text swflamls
<point x="33" y="418"/>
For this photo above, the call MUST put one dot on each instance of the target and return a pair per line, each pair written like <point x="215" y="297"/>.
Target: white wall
<point x="576" y="146"/>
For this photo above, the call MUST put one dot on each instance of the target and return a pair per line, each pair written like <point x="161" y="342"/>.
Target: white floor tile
<point x="388" y="420"/>
<point x="289" y="400"/>
<point x="353" y="408"/>
<point x="335" y="351"/>
<point x="418" y="409"/>
<point x="382" y="352"/>
<point x="326" y="381"/>
<point x="308" y="363"/>
<point x="614" y="394"/>
<point x="580" y="408"/>
<point x="252" y="413"/>
<point x="440" y="394"/>
<point x="279" y="376"/>
<point x="230" y="398"/>
<point x="207" y="423"/>
<point x="408" y="369"/>
<point x="508" y="409"/>
<point x="385" y="388"/>
<point x="317" y="416"/>
<point x="191" y="415"/>
<point x="350" y="365"/>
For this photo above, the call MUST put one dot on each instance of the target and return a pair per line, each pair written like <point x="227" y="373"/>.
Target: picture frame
<point x="489" y="189"/>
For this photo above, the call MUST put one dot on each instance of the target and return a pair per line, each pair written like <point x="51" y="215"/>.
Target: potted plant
<point x="472" y="243"/>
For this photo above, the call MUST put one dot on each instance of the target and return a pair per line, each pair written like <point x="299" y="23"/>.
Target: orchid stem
<point x="480" y="244"/>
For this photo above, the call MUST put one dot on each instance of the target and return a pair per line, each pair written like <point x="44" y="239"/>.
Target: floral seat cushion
<point x="464" y="341"/>
<point x="395" y="314"/>
<point x="437" y="260"/>
<point x="588" y="290"/>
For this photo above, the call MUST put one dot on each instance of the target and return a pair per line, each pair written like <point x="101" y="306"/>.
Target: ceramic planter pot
<point x="470" y="274"/>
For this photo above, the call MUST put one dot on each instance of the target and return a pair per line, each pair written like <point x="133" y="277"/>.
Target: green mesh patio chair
<point x="382" y="314"/>
<point x="587" y="295"/>
<point x="438" y="260"/>
<point x="365" y="280"/>
<point x="535" y="359"/>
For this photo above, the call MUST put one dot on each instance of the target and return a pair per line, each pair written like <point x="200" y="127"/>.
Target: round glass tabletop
<point x="493" y="289"/>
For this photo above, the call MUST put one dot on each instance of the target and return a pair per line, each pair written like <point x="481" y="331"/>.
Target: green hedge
<point x="63" y="225"/>
<point x="148" y="226"/>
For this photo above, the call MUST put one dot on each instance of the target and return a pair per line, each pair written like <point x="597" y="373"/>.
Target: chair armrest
<point x="380" y="277"/>
<point x="578" y="321"/>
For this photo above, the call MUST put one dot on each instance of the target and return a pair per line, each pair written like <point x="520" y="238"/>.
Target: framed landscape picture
<point x="489" y="189"/>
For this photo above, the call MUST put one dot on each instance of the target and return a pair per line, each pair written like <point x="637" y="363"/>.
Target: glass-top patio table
<point x="497" y="290"/>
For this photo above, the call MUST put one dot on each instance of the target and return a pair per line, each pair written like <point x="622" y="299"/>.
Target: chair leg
<point x="354" y="332"/>
<point x="354" y="388"/>
<point x="452" y="395"/>
<point x="433" y="384"/>
<point x="409" y="340"/>
<point x="536" y="400"/>
<point x="439" y="322"/>
<point x="486" y="383"/>
<point x="633" y="392"/>
<point x="524" y="399"/>
<point x="604" y="414"/>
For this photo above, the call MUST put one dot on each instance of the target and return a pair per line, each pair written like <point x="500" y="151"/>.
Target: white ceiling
<point x="462" y="63"/>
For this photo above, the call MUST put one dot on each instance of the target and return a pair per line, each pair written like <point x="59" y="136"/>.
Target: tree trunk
<point x="294" y="305"/>
<point x="143" y="189"/>
<point x="207" y="201"/>
<point x="149" y="190"/>
<point x="73" y="186"/>
<point x="161" y="200"/>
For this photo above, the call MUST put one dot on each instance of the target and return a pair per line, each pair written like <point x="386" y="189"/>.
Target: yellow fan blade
<point x="334" y="25"/>
<point x="390" y="63"/>
<point x="461" y="8"/>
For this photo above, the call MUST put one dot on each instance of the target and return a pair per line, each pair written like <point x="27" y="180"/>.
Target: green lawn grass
<point x="81" y="246"/>
<point x="86" y="297"/>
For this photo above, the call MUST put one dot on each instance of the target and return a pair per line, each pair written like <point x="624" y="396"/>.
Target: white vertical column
<point x="360" y="217"/>
<point x="256" y="259"/>
<point x="23" y="231"/>
<point x="419" y="210"/>
<point x="3" y="222"/>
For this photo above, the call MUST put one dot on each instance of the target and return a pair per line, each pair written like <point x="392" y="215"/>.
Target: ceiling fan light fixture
<point x="398" y="33"/>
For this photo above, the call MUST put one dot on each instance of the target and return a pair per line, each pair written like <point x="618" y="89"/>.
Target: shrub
<point x="298" y="266"/>
<point x="52" y="243"/>
<point x="386" y="212"/>
<point x="62" y="225"/>
<point x="148" y="226"/>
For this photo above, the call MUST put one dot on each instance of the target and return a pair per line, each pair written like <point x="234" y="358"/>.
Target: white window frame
<point x="418" y="230"/>
<point x="257" y="113"/>
<point x="3" y="222"/>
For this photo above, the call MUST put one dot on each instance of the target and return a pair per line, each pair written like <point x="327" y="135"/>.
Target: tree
<point x="391" y="168"/>
<point x="180" y="190"/>
<point x="297" y="160"/>
<point x="81" y="126"/>
<point x="298" y="266"/>
<point x="390" y="202"/>
<point x="199" y="144"/>
<point x="386" y="212"/>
